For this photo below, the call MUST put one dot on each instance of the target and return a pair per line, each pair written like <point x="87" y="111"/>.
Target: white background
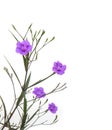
<point x="83" y="31"/>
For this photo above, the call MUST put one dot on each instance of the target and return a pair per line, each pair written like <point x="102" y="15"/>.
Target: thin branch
<point x="41" y="80"/>
<point x="19" y="113"/>
<point x="27" y="31"/>
<point x="5" y="112"/>
<point x="17" y="32"/>
<point x="58" y="88"/>
<point x="14" y="72"/>
<point x="14" y="36"/>
<point x="45" y="44"/>
<point x="10" y="76"/>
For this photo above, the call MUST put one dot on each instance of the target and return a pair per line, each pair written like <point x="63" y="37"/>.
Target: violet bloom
<point x="52" y="108"/>
<point x="59" y="68"/>
<point x="23" y="47"/>
<point x="39" y="92"/>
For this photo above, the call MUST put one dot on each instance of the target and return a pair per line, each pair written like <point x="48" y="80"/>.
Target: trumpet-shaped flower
<point x="59" y="68"/>
<point x="23" y="47"/>
<point x="52" y="108"/>
<point x="39" y="92"/>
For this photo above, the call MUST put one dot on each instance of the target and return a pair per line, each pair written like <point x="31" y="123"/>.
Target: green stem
<point x="41" y="80"/>
<point x="5" y="124"/>
<point x="21" y="95"/>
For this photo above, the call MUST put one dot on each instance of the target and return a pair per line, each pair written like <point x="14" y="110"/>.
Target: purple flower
<point x="52" y="108"/>
<point x="23" y="47"/>
<point x="39" y="92"/>
<point x="59" y="68"/>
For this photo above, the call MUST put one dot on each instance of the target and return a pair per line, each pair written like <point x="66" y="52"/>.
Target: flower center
<point x="24" y="48"/>
<point x="59" y="68"/>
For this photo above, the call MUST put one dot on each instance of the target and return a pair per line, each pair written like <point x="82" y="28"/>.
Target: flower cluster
<point x="39" y="92"/>
<point x="22" y="104"/>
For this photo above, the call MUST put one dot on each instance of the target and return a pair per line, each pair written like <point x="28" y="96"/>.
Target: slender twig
<point x="10" y="76"/>
<point x="4" y="107"/>
<point x="33" y="101"/>
<point x="17" y="32"/>
<point x="14" y="72"/>
<point x="45" y="44"/>
<point x="58" y="88"/>
<point x="41" y="80"/>
<point x="27" y="31"/>
<point x="43" y="32"/>
<point x="14" y="36"/>
<point x="19" y="113"/>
